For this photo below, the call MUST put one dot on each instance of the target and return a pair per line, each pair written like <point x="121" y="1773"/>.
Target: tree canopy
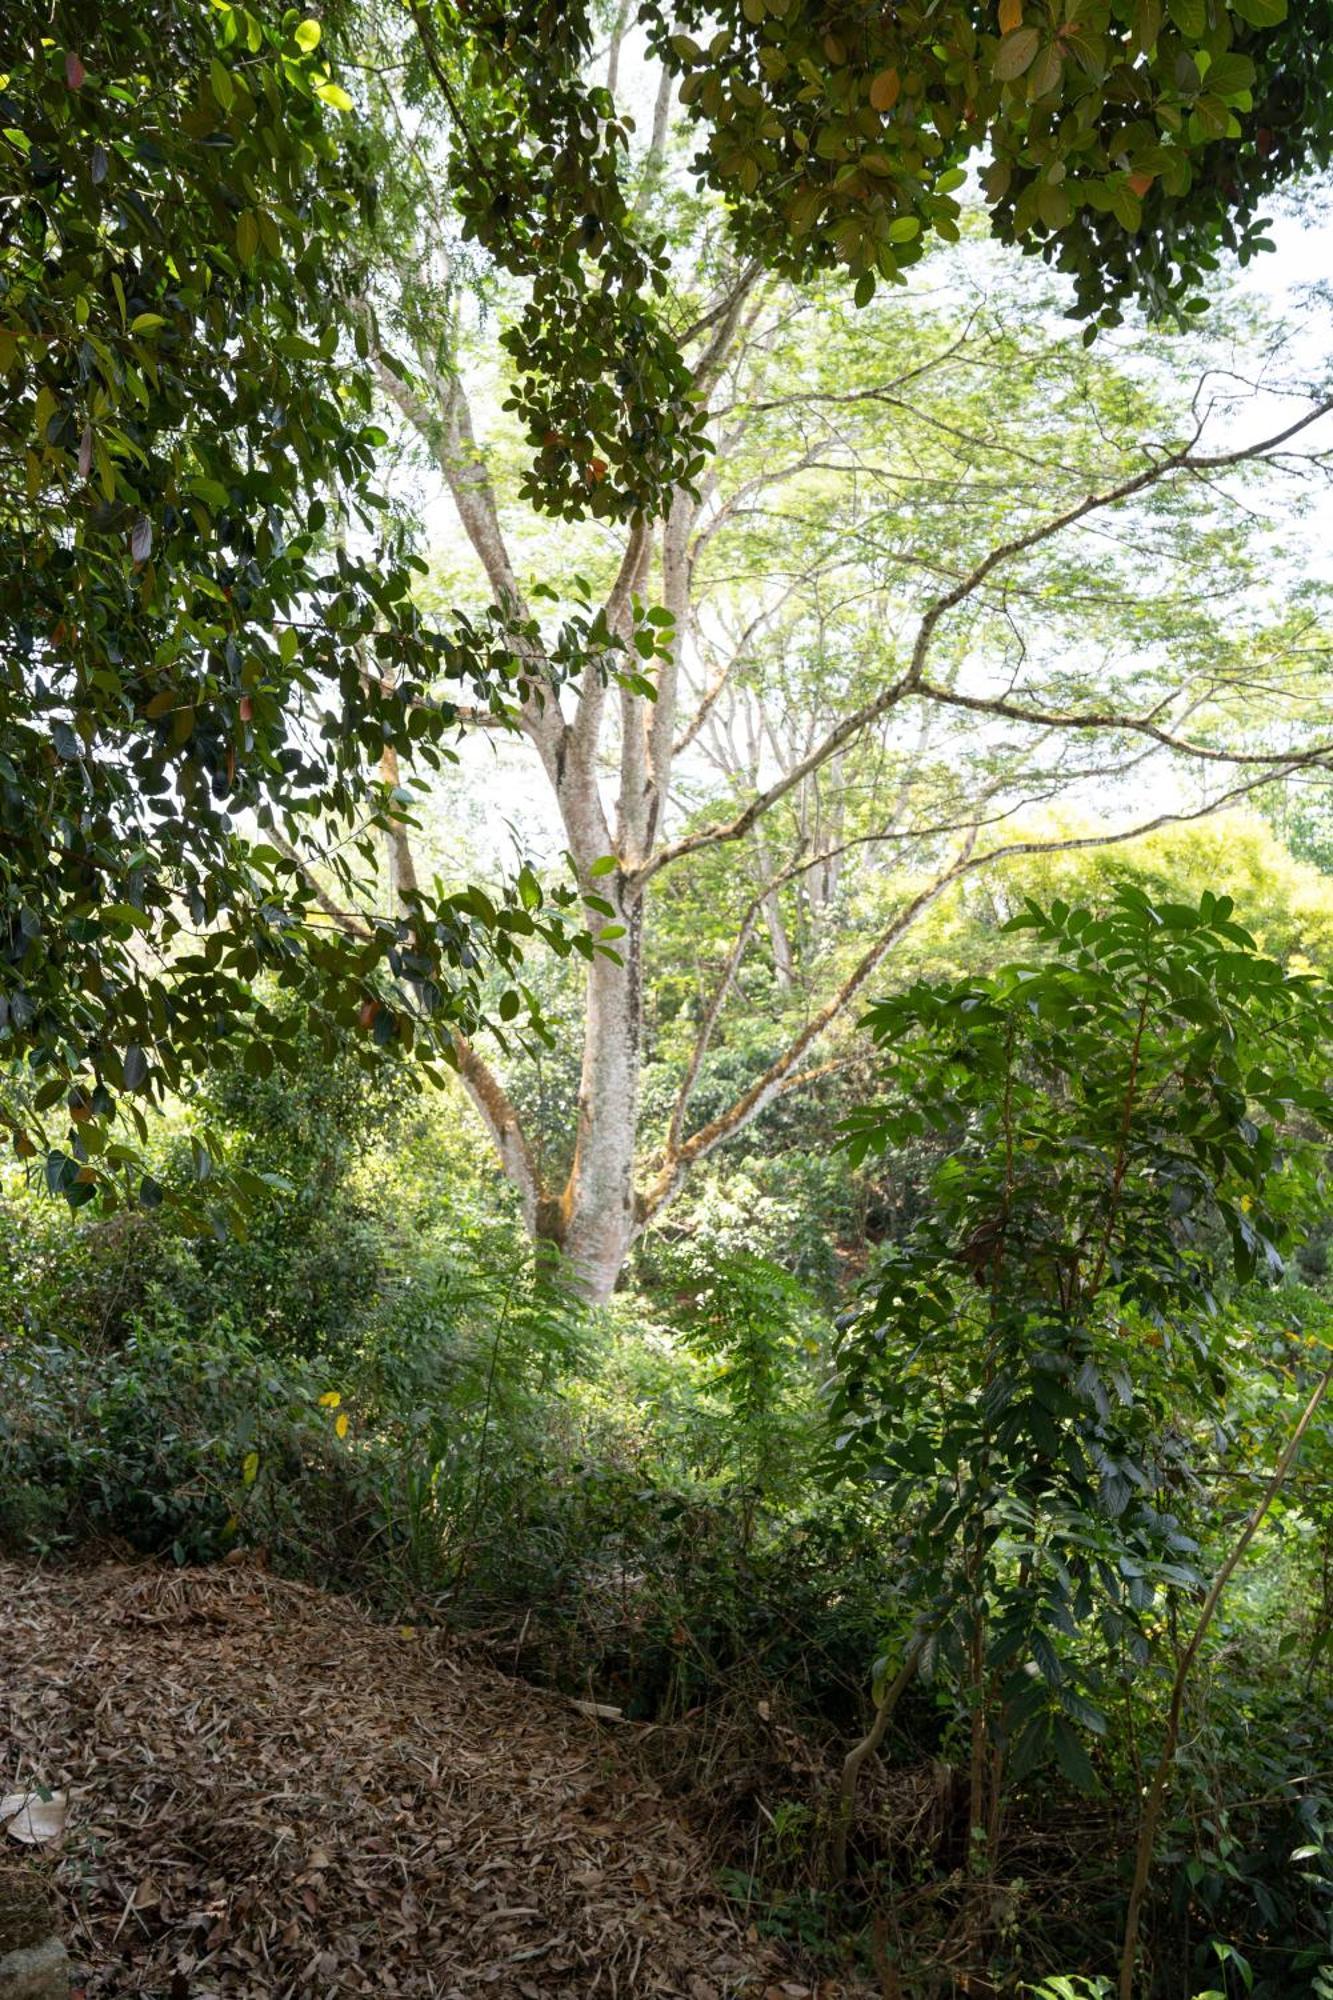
<point x="202" y="598"/>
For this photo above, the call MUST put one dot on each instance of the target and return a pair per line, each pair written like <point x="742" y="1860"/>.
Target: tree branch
<point x="705" y="1035"/>
<point x="782" y="1075"/>
<point x="761" y="1093"/>
<point x="913" y="682"/>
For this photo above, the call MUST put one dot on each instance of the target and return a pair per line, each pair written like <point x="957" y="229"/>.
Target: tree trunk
<point x="598" y="1215"/>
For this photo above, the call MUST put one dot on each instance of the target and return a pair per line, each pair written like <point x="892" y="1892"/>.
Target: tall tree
<point x="974" y="505"/>
<point x="196" y="647"/>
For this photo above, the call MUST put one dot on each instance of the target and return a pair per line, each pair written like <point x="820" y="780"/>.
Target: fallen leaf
<point x="31" y="1818"/>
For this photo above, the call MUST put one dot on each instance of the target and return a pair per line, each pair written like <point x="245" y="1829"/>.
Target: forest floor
<point x="269" y="1794"/>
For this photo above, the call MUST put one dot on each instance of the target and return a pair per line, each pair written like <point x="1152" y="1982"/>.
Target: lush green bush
<point x="177" y="1439"/>
<point x="381" y="1387"/>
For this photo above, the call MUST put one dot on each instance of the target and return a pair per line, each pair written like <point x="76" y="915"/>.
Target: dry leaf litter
<point x="269" y="1794"/>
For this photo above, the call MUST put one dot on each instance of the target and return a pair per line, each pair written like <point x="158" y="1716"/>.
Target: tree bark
<point x="598" y="1215"/>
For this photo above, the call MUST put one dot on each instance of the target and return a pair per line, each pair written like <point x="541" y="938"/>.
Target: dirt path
<point x="270" y="1795"/>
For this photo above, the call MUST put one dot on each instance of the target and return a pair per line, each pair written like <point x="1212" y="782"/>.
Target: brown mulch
<point x="272" y="1795"/>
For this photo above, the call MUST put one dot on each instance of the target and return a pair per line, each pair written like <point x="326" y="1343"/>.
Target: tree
<point x="201" y="600"/>
<point x="1135" y="1116"/>
<point x="183" y="296"/>
<point x="945" y="632"/>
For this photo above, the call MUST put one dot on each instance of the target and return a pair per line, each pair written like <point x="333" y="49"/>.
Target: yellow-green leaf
<point x="250" y="1467"/>
<point x="334" y="94"/>
<point x="223" y="88"/>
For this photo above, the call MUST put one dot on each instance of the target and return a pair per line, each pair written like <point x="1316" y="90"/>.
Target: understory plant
<point x="1134" y="1120"/>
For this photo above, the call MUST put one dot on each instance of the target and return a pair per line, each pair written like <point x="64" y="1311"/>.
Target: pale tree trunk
<point x="784" y="966"/>
<point x="598" y="1213"/>
<point x="596" y="1216"/>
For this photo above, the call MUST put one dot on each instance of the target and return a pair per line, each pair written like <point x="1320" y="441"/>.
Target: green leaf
<point x="306" y="35"/>
<point x="1016" y="53"/>
<point x="1260" y="13"/>
<point x="1230" y="75"/>
<point x="334" y="94"/>
<point x="1071" y="1756"/>
<point x="529" y="889"/>
<point x="223" y="87"/>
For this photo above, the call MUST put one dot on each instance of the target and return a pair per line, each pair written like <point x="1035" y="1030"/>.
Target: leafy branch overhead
<point x="1124" y="141"/>
<point x="207" y="623"/>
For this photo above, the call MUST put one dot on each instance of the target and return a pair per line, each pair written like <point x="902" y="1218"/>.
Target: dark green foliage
<point x="1126" y="1120"/>
<point x="179" y="1441"/>
<point x="1044" y="1433"/>
<point x="1129" y="142"/>
<point x="205" y="612"/>
<point x="600" y="385"/>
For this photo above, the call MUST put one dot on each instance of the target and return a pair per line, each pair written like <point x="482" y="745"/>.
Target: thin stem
<point x="1152" y="1806"/>
<point x="1122" y="1146"/>
<point x="856" y="1756"/>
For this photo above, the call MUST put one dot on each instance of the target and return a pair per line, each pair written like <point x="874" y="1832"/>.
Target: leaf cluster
<point x="1129" y="1118"/>
<point x="1127" y="140"/>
